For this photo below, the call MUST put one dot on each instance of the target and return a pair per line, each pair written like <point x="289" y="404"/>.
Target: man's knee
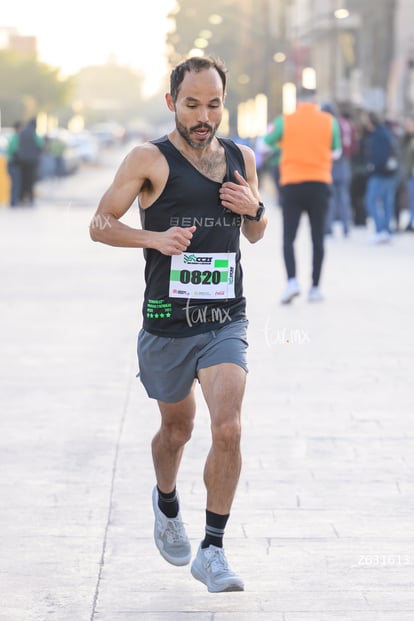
<point x="227" y="434"/>
<point x="177" y="433"/>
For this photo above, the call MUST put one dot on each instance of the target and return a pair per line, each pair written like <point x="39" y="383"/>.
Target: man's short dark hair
<point x="196" y="64"/>
<point x="306" y="94"/>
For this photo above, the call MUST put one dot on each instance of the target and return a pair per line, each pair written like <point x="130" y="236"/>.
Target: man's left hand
<point x="238" y="197"/>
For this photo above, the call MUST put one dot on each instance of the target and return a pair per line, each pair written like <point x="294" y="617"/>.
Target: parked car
<point x="109" y="133"/>
<point x="86" y="144"/>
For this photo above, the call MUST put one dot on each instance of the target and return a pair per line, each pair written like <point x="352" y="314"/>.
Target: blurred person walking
<point x="29" y="152"/>
<point x="339" y="208"/>
<point x="382" y="167"/>
<point x="196" y="193"/>
<point x="268" y="161"/>
<point x="359" y="174"/>
<point x="408" y="171"/>
<point x="14" y="167"/>
<point x="309" y="139"/>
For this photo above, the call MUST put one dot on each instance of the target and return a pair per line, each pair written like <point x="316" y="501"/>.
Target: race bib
<point x="202" y="275"/>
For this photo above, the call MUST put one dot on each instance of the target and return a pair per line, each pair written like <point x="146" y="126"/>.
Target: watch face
<point x="259" y="213"/>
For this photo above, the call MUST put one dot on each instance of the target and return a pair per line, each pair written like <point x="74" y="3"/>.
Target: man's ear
<point x="170" y="103"/>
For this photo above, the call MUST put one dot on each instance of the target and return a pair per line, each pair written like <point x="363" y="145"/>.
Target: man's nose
<point x="203" y="115"/>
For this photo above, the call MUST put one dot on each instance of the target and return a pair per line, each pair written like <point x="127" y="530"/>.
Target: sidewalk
<point x="323" y="523"/>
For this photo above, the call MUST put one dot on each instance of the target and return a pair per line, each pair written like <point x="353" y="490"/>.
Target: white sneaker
<point x="211" y="568"/>
<point x="170" y="536"/>
<point x="315" y="295"/>
<point x="291" y="291"/>
<point x="385" y="237"/>
<point x="380" y="238"/>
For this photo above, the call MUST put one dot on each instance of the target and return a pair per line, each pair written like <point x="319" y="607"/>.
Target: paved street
<point x="322" y="528"/>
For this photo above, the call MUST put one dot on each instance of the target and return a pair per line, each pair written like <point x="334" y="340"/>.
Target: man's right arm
<point x="275" y="132"/>
<point x="12" y="146"/>
<point x="143" y="166"/>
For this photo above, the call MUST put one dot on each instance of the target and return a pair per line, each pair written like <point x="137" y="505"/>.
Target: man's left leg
<point x="390" y="192"/>
<point x="317" y="208"/>
<point x="223" y="389"/>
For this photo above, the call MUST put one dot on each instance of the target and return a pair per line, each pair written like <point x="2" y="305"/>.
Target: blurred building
<point x="401" y="84"/>
<point x="355" y="51"/>
<point x="10" y="39"/>
<point x="349" y="44"/>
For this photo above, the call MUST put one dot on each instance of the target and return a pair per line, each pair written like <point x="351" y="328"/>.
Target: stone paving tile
<point x="157" y="616"/>
<point x="334" y="616"/>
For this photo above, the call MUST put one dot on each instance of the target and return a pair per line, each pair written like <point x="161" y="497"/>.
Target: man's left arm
<point x="244" y="199"/>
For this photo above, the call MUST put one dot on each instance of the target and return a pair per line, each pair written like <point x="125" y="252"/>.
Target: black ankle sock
<point x="168" y="503"/>
<point x="215" y="525"/>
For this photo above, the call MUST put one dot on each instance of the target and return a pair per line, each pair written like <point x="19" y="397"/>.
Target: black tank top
<point x="190" y="198"/>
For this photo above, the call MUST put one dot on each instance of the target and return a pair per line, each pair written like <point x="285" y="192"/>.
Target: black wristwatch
<point x="259" y="214"/>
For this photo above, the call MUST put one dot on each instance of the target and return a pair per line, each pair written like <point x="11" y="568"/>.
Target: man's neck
<point x="194" y="153"/>
<point x="210" y="161"/>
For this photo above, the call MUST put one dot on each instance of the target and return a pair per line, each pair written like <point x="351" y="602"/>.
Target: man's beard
<point x="186" y="134"/>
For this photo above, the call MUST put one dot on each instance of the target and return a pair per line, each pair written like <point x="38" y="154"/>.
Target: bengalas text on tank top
<point x="201" y="289"/>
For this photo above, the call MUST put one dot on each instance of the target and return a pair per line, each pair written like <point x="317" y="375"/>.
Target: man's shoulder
<point x="158" y="141"/>
<point x="242" y="154"/>
<point x="146" y="151"/>
<point x="146" y="160"/>
<point x="306" y="111"/>
<point x="232" y="143"/>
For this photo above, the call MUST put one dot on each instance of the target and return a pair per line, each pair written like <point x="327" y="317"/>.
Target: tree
<point x="239" y="32"/>
<point x="109" y="91"/>
<point x="30" y="87"/>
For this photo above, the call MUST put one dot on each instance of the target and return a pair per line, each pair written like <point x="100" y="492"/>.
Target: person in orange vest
<point x="309" y="140"/>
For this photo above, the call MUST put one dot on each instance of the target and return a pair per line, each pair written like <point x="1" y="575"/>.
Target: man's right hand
<point x="174" y="241"/>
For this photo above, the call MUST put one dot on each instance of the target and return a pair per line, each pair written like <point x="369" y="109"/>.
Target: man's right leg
<point x="14" y="174"/>
<point x="223" y="388"/>
<point x="389" y="204"/>
<point x="291" y="216"/>
<point x="371" y="201"/>
<point x="177" y="420"/>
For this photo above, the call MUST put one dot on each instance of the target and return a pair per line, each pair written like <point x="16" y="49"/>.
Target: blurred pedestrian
<point x="14" y="166"/>
<point x="408" y="170"/>
<point x="339" y="208"/>
<point x="382" y="167"/>
<point x="268" y="161"/>
<point x="196" y="193"/>
<point x="309" y="139"/>
<point x="359" y="173"/>
<point x="273" y="164"/>
<point x="29" y="152"/>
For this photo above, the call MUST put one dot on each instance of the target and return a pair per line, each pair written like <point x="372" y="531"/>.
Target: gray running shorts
<point x="169" y="366"/>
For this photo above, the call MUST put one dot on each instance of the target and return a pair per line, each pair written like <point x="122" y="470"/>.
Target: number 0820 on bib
<point x="203" y="275"/>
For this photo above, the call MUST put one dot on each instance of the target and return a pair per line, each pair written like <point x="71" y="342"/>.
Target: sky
<point x="75" y="33"/>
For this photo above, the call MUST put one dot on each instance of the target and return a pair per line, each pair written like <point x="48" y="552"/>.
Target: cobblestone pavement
<point x="322" y="528"/>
